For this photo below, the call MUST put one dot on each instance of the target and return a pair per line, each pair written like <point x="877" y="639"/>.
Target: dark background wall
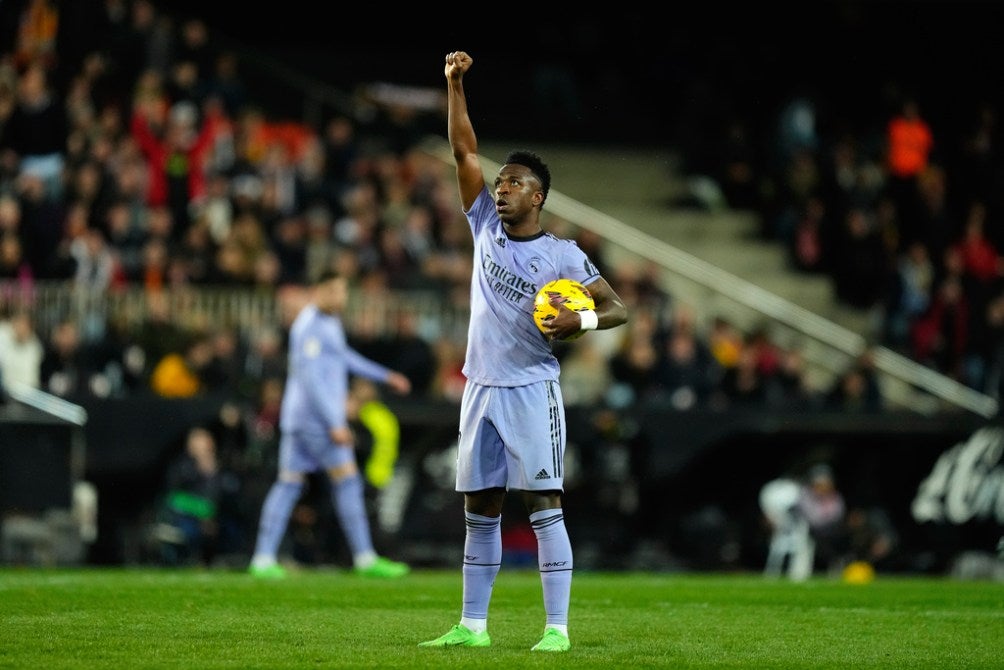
<point x="685" y="482"/>
<point x="673" y="75"/>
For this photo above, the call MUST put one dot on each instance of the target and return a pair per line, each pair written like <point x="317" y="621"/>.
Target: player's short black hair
<point x="327" y="275"/>
<point x="536" y="165"/>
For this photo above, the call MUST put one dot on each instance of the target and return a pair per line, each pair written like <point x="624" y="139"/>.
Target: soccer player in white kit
<point x="316" y="435"/>
<point x="512" y="420"/>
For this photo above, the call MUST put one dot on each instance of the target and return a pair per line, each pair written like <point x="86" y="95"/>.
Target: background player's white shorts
<point x="511" y="437"/>
<point x="309" y="452"/>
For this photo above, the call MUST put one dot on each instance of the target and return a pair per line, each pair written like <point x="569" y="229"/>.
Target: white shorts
<point x="306" y="452"/>
<point x="512" y="438"/>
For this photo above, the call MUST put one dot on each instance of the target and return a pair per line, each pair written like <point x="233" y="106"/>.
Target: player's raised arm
<point x="463" y="141"/>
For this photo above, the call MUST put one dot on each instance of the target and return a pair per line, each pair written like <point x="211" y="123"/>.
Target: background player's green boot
<point x="383" y="568"/>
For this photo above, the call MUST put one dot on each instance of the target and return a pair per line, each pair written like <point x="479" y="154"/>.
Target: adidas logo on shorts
<point x="542" y="475"/>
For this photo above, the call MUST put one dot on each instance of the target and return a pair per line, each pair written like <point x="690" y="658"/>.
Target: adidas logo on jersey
<point x="542" y="475"/>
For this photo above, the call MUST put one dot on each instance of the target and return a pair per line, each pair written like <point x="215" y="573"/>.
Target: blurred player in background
<point x="512" y="420"/>
<point x="316" y="433"/>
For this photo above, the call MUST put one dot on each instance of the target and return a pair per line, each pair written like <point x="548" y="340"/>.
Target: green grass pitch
<point x="141" y="618"/>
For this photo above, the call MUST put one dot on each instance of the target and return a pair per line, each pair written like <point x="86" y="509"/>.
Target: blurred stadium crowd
<point x="132" y="156"/>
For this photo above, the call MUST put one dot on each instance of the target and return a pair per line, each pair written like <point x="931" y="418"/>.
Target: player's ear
<point x="537" y="198"/>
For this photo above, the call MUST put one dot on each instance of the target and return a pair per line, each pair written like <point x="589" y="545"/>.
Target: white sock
<point x="558" y="626"/>
<point x="263" y="561"/>
<point x="475" y="625"/>
<point x="364" y="559"/>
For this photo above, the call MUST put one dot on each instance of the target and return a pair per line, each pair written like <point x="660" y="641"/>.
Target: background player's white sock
<point x="348" y="497"/>
<point x="275" y="513"/>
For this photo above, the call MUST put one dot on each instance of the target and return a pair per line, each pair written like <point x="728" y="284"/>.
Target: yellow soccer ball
<point x="576" y="298"/>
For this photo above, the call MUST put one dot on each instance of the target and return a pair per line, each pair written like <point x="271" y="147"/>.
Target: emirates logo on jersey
<point x="511" y="285"/>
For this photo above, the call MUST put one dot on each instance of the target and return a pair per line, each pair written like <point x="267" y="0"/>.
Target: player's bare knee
<point x="344" y="471"/>
<point x="537" y="501"/>
<point x="485" y="503"/>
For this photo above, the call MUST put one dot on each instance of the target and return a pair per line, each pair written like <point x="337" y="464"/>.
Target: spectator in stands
<point x="808" y="240"/>
<point x="37" y="29"/>
<point x="790" y="388"/>
<point x="935" y="221"/>
<point x="980" y="258"/>
<point x="856" y="389"/>
<point x="126" y="235"/>
<point x="21" y="351"/>
<point x="634" y="366"/>
<point x="862" y="263"/>
<point x="8" y="92"/>
<point x="742" y="386"/>
<point x="448" y="379"/>
<point x="33" y="139"/>
<point x="200" y="519"/>
<point x="985" y="360"/>
<point x="225" y="370"/>
<point x="89" y="184"/>
<point x="179" y="374"/>
<point x="263" y="440"/>
<point x="687" y="373"/>
<point x="13" y="264"/>
<point x="940" y="336"/>
<point x="341" y="157"/>
<point x="908" y="295"/>
<point x="822" y="504"/>
<point x="225" y="83"/>
<point x="871" y="537"/>
<point x="975" y="171"/>
<point x="725" y="341"/>
<point x="852" y="175"/>
<point x="176" y="144"/>
<point x="766" y="351"/>
<point x="909" y="142"/>
<point x="585" y="374"/>
<point x="96" y="265"/>
<point x="70" y="368"/>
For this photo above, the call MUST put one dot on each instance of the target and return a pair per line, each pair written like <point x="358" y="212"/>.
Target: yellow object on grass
<point x="859" y="572"/>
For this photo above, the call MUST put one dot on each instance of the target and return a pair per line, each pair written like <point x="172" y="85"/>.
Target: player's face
<point x="332" y="295"/>
<point x="517" y="192"/>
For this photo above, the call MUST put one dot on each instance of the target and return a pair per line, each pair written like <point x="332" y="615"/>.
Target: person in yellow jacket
<point x="366" y="407"/>
<point x="178" y="375"/>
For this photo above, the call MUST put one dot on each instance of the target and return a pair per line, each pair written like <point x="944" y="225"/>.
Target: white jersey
<point x="320" y="364"/>
<point x="504" y="346"/>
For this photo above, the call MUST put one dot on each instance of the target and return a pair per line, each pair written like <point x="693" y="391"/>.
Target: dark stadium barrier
<point x="684" y="483"/>
<point x="46" y="508"/>
<point x="940" y="480"/>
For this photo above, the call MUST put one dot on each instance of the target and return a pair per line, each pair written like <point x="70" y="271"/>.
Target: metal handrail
<point x="48" y="403"/>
